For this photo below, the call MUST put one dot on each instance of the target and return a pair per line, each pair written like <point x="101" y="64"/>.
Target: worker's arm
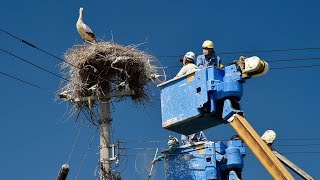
<point x="182" y="72"/>
<point x="169" y="152"/>
<point x="200" y="62"/>
<point x="159" y="158"/>
<point x="219" y="65"/>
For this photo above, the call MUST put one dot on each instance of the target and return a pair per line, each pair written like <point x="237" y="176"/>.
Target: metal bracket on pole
<point x="85" y="99"/>
<point x="115" y="152"/>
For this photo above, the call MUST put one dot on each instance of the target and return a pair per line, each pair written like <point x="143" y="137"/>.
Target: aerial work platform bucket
<point x="205" y="160"/>
<point x="196" y="101"/>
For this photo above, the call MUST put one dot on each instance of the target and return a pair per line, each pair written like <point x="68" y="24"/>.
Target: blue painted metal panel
<point x="206" y="161"/>
<point x="179" y="100"/>
<point x="195" y="162"/>
<point x="195" y="102"/>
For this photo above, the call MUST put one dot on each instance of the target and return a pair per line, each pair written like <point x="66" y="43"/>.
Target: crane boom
<point x="292" y="166"/>
<point x="259" y="148"/>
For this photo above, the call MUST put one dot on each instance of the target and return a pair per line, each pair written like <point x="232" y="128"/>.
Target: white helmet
<point x="190" y="55"/>
<point x="172" y="140"/>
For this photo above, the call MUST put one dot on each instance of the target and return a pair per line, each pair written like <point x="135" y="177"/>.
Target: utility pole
<point x="105" y="124"/>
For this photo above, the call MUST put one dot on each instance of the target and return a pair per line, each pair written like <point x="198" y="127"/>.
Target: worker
<point x="209" y="57"/>
<point x="188" y="64"/>
<point x="189" y="67"/>
<point x="173" y="144"/>
<point x="192" y="138"/>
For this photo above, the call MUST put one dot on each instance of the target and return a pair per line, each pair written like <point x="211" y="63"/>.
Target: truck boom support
<point x="259" y="148"/>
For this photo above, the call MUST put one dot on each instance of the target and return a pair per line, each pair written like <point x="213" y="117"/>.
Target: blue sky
<point x="37" y="137"/>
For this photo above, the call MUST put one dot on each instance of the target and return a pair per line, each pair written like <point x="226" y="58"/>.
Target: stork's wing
<point x="88" y="31"/>
<point x="86" y="28"/>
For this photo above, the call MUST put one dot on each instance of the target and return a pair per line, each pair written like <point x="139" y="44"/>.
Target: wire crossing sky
<point x="39" y="130"/>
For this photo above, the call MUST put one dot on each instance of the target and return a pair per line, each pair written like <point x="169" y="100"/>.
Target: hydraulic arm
<point x="259" y="148"/>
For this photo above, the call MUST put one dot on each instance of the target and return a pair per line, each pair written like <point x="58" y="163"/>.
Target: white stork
<point x="84" y="30"/>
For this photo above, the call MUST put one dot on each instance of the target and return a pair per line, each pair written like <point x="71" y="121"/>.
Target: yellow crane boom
<point x="259" y="148"/>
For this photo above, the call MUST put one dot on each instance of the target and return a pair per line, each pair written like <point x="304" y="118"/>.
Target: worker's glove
<point x="153" y="161"/>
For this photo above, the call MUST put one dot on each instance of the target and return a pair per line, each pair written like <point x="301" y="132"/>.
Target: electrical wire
<point x="74" y="144"/>
<point x="248" y="153"/>
<point x="215" y="140"/>
<point x="299" y="139"/>
<point x="48" y="53"/>
<point x="85" y="156"/>
<point x="26" y="82"/>
<point x="142" y="141"/>
<point x="271" y="68"/>
<point x="276" y="61"/>
<point x="272" y="50"/>
<point x="249" y="52"/>
<point x="294" y="59"/>
<point x="34" y="46"/>
<point x="29" y="62"/>
<point x="295" y="67"/>
<point x="304" y="145"/>
<point x="161" y="56"/>
<point x="126" y="164"/>
<point x="142" y="148"/>
<point x="275" y="145"/>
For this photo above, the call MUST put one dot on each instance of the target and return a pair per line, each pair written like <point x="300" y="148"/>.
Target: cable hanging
<point x="33" y="46"/>
<point x="26" y="82"/>
<point x="249" y="52"/>
<point x="48" y="53"/>
<point x="85" y="156"/>
<point x="39" y="67"/>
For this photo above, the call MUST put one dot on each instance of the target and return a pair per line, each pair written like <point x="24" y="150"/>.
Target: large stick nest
<point x="106" y="67"/>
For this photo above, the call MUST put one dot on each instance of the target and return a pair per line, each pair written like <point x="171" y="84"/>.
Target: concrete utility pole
<point x="105" y="124"/>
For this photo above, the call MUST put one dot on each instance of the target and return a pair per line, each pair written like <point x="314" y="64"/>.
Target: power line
<point x="296" y="67"/>
<point x="276" y="145"/>
<point x="275" y="61"/>
<point x="44" y="51"/>
<point x="85" y="156"/>
<point x="26" y="82"/>
<point x="279" y="60"/>
<point x="299" y="139"/>
<point x="294" y="59"/>
<point x="74" y="144"/>
<point x="248" y="153"/>
<point x="29" y="62"/>
<point x="34" y="46"/>
<point x="272" y="50"/>
<point x="215" y="140"/>
<point x="305" y="145"/>
<point x="48" y="53"/>
<point x="273" y="68"/>
<point x="142" y="141"/>
<point x="250" y="52"/>
<point x="240" y="52"/>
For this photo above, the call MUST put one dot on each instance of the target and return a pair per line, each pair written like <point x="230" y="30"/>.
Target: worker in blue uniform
<point x="173" y="144"/>
<point x="209" y="57"/>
